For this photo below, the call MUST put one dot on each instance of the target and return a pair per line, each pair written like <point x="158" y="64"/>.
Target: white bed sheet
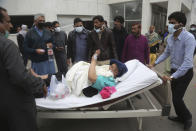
<point x="137" y="78"/>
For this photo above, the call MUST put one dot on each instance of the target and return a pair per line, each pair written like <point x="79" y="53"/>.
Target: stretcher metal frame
<point x="161" y="92"/>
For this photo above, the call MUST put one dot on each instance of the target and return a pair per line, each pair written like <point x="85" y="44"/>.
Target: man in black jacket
<point x="60" y="40"/>
<point x="20" y="39"/>
<point x="77" y="43"/>
<point x="38" y="45"/>
<point x="120" y="34"/>
<point x="101" y="38"/>
<point x="18" y="87"/>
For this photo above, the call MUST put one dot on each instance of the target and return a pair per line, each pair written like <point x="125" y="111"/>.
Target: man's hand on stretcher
<point x="45" y="89"/>
<point x="165" y="78"/>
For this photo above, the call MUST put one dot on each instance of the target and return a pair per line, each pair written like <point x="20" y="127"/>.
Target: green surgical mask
<point x="6" y="34"/>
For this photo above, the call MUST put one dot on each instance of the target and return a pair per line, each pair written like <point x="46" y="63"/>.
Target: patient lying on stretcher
<point x="102" y="84"/>
<point x="99" y="82"/>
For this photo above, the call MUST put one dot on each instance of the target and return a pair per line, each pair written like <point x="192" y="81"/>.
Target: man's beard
<point x="136" y="34"/>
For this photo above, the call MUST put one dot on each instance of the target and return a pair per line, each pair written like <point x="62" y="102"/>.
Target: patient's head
<point x="114" y="69"/>
<point x="118" y="68"/>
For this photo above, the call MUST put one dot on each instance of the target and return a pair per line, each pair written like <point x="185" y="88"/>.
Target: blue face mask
<point x="171" y="29"/>
<point x="6" y="34"/>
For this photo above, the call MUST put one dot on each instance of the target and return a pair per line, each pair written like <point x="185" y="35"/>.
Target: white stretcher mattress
<point x="138" y="77"/>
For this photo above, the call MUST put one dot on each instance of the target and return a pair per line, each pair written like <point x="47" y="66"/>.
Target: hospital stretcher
<point x="158" y="96"/>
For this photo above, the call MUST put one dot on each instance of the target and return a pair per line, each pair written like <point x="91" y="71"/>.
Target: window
<point x="159" y="17"/>
<point x="131" y="11"/>
<point x="19" y="20"/>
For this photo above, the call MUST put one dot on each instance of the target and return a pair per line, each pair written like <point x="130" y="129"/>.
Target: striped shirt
<point x="181" y="52"/>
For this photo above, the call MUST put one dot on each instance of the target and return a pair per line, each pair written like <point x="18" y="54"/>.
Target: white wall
<point x="146" y="15"/>
<point x="52" y="8"/>
<point x="89" y="8"/>
<point x="117" y="1"/>
<point x="193" y="13"/>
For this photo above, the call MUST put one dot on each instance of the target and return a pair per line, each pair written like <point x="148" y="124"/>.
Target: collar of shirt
<point x="179" y="36"/>
<point x="136" y="38"/>
<point x="38" y="31"/>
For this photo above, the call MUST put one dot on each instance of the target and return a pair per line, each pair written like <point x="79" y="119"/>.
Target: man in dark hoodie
<point x="120" y="34"/>
<point x="18" y="87"/>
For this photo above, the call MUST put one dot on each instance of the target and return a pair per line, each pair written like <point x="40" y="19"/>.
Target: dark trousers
<point x="21" y="118"/>
<point x="61" y="61"/>
<point x="179" y="87"/>
<point x="25" y="58"/>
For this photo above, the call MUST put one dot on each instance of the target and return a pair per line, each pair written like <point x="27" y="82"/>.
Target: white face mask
<point x="97" y="30"/>
<point x="171" y="29"/>
<point x="192" y="29"/>
<point x="57" y="29"/>
<point x="79" y="29"/>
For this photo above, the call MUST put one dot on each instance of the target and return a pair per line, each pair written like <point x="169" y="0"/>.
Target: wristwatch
<point x="171" y="77"/>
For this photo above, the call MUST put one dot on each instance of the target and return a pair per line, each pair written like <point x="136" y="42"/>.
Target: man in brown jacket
<point x="101" y="38"/>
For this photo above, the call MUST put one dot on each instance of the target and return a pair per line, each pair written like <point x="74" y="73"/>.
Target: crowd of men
<point x="45" y="41"/>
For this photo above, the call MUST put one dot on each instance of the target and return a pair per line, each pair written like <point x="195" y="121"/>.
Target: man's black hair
<point x="99" y="18"/>
<point x="119" y="18"/>
<point x="193" y="25"/>
<point x="54" y="23"/>
<point x="48" y="24"/>
<point x="179" y="17"/>
<point x="1" y="14"/>
<point x="76" y="20"/>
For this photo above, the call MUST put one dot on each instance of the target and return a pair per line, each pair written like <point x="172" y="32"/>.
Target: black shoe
<point x="187" y="124"/>
<point x="175" y="119"/>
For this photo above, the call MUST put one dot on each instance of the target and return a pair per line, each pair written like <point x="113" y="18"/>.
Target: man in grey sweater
<point x="18" y="87"/>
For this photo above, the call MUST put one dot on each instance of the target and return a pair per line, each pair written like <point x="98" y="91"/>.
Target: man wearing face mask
<point x="136" y="46"/>
<point x="20" y="39"/>
<point x="120" y="34"/>
<point x="77" y="43"/>
<point x="60" y="41"/>
<point x="101" y="38"/>
<point x="18" y="86"/>
<point x="37" y="42"/>
<point x="193" y="31"/>
<point x="180" y="46"/>
<point x="48" y="26"/>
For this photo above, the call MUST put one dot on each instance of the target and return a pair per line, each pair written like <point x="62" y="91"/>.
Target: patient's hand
<point x="97" y="53"/>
